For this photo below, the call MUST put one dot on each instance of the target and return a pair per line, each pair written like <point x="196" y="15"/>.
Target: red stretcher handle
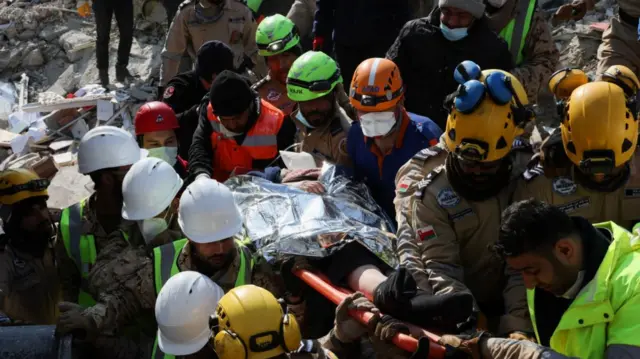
<point x="337" y="295"/>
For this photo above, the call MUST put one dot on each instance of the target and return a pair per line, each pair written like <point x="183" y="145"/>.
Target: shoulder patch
<point x="427" y="153"/>
<point x="448" y="198"/>
<point x="426" y="233"/>
<point x="168" y="92"/>
<point x="564" y="186"/>
<point x="426" y="181"/>
<point x="533" y="172"/>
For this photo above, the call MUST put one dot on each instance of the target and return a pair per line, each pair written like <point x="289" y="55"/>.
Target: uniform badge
<point x="632" y="192"/>
<point x="159" y="119"/>
<point x="575" y="205"/>
<point x="404" y="185"/>
<point x="447" y="198"/>
<point x="168" y="92"/>
<point x="273" y="95"/>
<point x="426" y="233"/>
<point x="564" y="186"/>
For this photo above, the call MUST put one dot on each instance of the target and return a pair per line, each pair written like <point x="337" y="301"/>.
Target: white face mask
<point x="497" y="3"/>
<point x="151" y="228"/>
<point x="227" y="133"/>
<point x="375" y="124"/>
<point x="167" y="154"/>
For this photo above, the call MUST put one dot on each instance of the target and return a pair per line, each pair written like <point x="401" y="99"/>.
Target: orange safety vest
<point x="260" y="143"/>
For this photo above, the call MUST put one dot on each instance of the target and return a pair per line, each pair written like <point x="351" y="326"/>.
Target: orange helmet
<point x="376" y="85"/>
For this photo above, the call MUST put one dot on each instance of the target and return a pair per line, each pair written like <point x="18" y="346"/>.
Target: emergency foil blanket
<point x="283" y="221"/>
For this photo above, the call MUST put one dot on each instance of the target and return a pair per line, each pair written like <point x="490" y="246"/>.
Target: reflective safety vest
<point x="584" y="330"/>
<point x="516" y="31"/>
<point x="80" y="248"/>
<point x="260" y="143"/>
<point x="165" y="261"/>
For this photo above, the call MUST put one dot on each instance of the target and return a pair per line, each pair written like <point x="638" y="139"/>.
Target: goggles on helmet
<point x="316" y="86"/>
<point x="470" y="95"/>
<point x="372" y="101"/>
<point x="619" y="79"/>
<point x="32" y="186"/>
<point x="472" y="150"/>
<point x="278" y="45"/>
<point x="598" y="161"/>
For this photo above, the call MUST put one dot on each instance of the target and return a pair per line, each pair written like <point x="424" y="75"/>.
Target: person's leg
<point x="365" y="279"/>
<point x="103" y="10"/>
<point x="348" y="58"/>
<point x="620" y="46"/>
<point x="124" y="17"/>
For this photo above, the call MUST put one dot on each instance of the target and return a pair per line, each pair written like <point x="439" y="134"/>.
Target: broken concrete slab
<point x="33" y="59"/>
<point x="75" y="43"/>
<point x="53" y="31"/>
<point x="68" y="187"/>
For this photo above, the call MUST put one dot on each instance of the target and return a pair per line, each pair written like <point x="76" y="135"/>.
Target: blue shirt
<point x="377" y="170"/>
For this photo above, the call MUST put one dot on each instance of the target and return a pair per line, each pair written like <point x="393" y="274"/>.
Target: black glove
<point x="393" y="296"/>
<point x="445" y="312"/>
<point x="424" y="346"/>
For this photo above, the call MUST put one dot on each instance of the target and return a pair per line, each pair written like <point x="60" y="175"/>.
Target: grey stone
<point x="52" y="32"/>
<point x="26" y="35"/>
<point x="10" y="58"/>
<point x="75" y="43"/>
<point x="68" y="187"/>
<point x="33" y="59"/>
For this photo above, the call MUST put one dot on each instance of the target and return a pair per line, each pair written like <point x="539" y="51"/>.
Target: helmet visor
<point x="31" y="186"/>
<point x="316" y="86"/>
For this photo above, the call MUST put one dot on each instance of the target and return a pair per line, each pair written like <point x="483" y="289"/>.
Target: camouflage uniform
<point x="131" y="285"/>
<point x="620" y="45"/>
<point x="29" y="287"/>
<point x="328" y="142"/>
<point x="190" y="30"/>
<point x="444" y="239"/>
<point x="540" y="55"/>
<point x="621" y="206"/>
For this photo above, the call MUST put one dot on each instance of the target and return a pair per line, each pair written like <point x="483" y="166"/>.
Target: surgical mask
<point x="454" y="34"/>
<point x="497" y="3"/>
<point x="300" y="117"/>
<point x="575" y="288"/>
<point x="151" y="228"/>
<point x="376" y="124"/>
<point x="167" y="154"/>
<point x="228" y="133"/>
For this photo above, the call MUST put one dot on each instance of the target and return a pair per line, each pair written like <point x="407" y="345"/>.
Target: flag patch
<point x="403" y="186"/>
<point x="426" y="233"/>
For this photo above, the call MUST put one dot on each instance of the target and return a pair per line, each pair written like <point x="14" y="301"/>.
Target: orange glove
<point x="84" y="8"/>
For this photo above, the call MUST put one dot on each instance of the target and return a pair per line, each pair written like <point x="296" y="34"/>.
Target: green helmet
<point x="312" y="75"/>
<point x="275" y="35"/>
<point x="254" y="5"/>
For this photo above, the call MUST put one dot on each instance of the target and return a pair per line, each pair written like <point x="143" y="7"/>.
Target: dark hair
<point x="531" y="226"/>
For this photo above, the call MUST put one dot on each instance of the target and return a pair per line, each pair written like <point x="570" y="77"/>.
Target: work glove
<point x="393" y="296"/>
<point x="463" y="346"/>
<point x="347" y="329"/>
<point x="574" y="11"/>
<point x="71" y="319"/>
<point x="292" y="283"/>
<point x="84" y="8"/>
<point x="387" y="327"/>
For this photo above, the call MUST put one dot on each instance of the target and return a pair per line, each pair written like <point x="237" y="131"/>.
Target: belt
<point x="633" y="21"/>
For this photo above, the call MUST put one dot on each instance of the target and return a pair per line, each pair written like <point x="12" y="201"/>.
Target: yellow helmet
<point x="623" y="77"/>
<point x="485" y="132"/>
<point x="563" y="82"/>
<point x="19" y="184"/>
<point x="599" y="130"/>
<point x="252" y="324"/>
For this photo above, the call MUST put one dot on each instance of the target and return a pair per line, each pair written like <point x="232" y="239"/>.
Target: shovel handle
<point x="337" y="295"/>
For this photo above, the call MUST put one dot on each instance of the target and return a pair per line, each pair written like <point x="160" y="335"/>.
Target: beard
<point x="209" y="265"/>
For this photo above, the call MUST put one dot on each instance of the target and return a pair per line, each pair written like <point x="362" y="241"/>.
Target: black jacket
<point x="201" y="152"/>
<point x="183" y="93"/>
<point x="427" y="61"/>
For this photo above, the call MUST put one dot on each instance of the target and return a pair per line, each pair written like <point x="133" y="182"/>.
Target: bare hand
<point x="311" y="187"/>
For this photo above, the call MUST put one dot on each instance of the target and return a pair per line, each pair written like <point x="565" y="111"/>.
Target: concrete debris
<point x="75" y="43"/>
<point x="33" y="59"/>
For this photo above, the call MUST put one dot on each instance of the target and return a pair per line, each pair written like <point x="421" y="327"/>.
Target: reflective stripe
<point x="165" y="262"/>
<point x="75" y="230"/>
<point x="158" y="354"/>
<point x="244" y="272"/>
<point x="260" y="140"/>
<point x="516" y="32"/>
<point x="215" y="125"/>
<point x="372" y="72"/>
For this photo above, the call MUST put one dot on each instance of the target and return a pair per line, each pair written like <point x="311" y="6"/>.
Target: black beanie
<point x="213" y="57"/>
<point x="230" y="94"/>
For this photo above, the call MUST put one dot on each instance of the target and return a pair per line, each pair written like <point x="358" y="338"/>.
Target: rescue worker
<point x="29" y="286"/>
<point x="237" y="131"/>
<point x="199" y="21"/>
<point x="582" y="284"/>
<point x="302" y="13"/>
<point x="94" y="225"/>
<point x="104" y="11"/>
<point x="449" y="198"/>
<point x="599" y="133"/>
<point x="157" y="129"/>
<point x="214" y="246"/>
<point x="385" y="136"/>
<point x="522" y="25"/>
<point x="456" y="31"/>
<point x="278" y="41"/>
<point x="171" y="7"/>
<point x="185" y="91"/>
<point x="620" y="42"/>
<point x="358" y="30"/>
<point x="150" y="197"/>
<point x="183" y="309"/>
<point x="323" y="125"/>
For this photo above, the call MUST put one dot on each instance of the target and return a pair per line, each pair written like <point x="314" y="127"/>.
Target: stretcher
<point x="336" y="295"/>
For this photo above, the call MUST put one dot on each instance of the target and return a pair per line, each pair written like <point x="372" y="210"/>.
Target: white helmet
<point x="107" y="147"/>
<point x="148" y="189"/>
<point x="208" y="212"/>
<point x="183" y="308"/>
